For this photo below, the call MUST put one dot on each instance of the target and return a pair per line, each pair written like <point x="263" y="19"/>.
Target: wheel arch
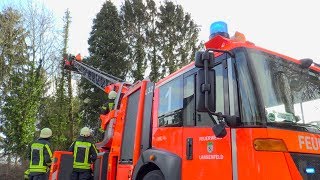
<point x="168" y="163"/>
<point x="145" y="169"/>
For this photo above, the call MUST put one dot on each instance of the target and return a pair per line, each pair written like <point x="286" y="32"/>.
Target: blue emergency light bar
<point x="219" y="28"/>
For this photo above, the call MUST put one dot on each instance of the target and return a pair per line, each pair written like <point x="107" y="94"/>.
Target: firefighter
<point x="84" y="154"/>
<point x="109" y="105"/>
<point x="40" y="156"/>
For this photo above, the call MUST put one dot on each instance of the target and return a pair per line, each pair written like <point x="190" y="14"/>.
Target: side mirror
<point x="202" y="87"/>
<point x="219" y="130"/>
<point x="206" y="89"/>
<point x="202" y="56"/>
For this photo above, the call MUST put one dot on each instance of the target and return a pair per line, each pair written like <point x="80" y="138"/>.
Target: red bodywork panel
<point x="62" y="165"/>
<point x="105" y="118"/>
<point x="116" y="87"/>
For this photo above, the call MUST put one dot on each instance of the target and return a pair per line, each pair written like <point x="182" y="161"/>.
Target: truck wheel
<point x="154" y="175"/>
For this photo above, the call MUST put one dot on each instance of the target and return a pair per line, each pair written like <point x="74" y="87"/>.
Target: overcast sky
<point x="290" y="27"/>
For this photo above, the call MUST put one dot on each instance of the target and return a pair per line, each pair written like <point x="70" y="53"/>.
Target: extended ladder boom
<point x="94" y="75"/>
<point x="97" y="77"/>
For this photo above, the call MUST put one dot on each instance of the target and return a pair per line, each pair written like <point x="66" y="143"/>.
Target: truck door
<point x="137" y="127"/>
<point x="205" y="156"/>
<point x="128" y="137"/>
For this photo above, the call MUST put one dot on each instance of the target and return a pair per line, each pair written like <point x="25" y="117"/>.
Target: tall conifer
<point x="107" y="50"/>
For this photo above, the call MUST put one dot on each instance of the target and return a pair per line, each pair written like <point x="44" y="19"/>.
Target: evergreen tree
<point x="62" y="122"/>
<point x="23" y="86"/>
<point x="166" y="39"/>
<point x="178" y="37"/>
<point x="12" y="46"/>
<point x="135" y="21"/>
<point x="107" y="52"/>
<point x="50" y="116"/>
<point x="69" y="75"/>
<point x="153" y="41"/>
<point x="20" y="111"/>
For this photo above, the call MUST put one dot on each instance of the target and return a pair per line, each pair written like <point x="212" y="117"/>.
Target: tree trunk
<point x="70" y="106"/>
<point x="70" y="113"/>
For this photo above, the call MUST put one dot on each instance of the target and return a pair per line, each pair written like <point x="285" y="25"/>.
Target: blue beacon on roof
<point x="219" y="28"/>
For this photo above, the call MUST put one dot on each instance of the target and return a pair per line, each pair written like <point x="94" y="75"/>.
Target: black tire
<point x="154" y="175"/>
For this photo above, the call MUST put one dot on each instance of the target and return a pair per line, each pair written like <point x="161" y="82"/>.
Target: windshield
<point x="290" y="94"/>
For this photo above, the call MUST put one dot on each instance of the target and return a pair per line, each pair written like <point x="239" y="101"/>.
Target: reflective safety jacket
<point x="40" y="156"/>
<point x="107" y="107"/>
<point x="84" y="153"/>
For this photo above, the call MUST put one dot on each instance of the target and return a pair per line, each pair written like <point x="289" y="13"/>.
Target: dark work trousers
<point x="86" y="175"/>
<point x="42" y="176"/>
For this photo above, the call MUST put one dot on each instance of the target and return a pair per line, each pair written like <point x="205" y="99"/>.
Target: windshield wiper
<point x="295" y="126"/>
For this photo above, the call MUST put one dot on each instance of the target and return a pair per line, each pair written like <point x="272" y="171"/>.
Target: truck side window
<point x="201" y="119"/>
<point x="189" y="100"/>
<point x="171" y="103"/>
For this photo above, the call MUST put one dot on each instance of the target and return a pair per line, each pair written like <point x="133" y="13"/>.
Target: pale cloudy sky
<point x="290" y="27"/>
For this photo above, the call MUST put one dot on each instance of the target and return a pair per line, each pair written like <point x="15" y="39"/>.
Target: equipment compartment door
<point x="137" y="127"/>
<point x="125" y="166"/>
<point x="126" y="156"/>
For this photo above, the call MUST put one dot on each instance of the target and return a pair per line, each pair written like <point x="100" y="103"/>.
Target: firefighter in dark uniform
<point x="109" y="105"/>
<point x="84" y="154"/>
<point x="40" y="156"/>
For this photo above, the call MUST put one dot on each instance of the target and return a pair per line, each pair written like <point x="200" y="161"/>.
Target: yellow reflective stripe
<point x="41" y="158"/>
<point x="75" y="153"/>
<point x="30" y="163"/>
<point x="79" y="166"/>
<point x="49" y="150"/>
<point x="38" y="170"/>
<point x="87" y="155"/>
<point x="39" y="147"/>
<point x="37" y="167"/>
<point x="85" y="164"/>
<point x="27" y="172"/>
<point x="95" y="149"/>
<point x="110" y="106"/>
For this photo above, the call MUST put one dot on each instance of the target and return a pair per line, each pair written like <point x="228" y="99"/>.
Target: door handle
<point x="189" y="148"/>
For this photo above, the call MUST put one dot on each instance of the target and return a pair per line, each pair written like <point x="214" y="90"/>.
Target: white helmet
<point x="112" y="95"/>
<point x="45" y="133"/>
<point x="85" y="131"/>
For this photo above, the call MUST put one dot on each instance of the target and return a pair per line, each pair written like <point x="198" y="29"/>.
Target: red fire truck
<point x="238" y="112"/>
